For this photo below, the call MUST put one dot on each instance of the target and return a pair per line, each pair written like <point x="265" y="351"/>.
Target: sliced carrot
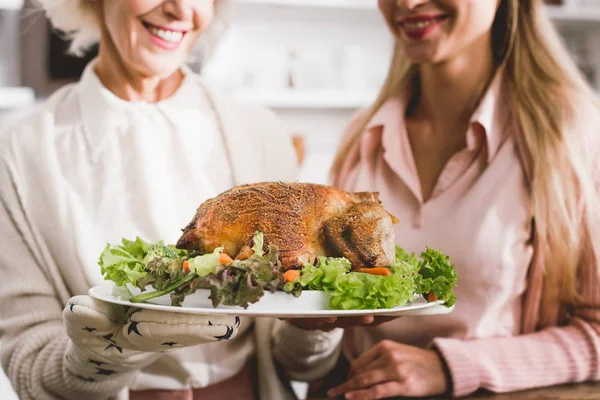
<point x="224" y="259"/>
<point x="375" y="271"/>
<point x="431" y="297"/>
<point x="291" y="275"/>
<point x="186" y="265"/>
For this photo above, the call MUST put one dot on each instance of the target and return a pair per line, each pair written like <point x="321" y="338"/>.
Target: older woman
<point x="131" y="149"/>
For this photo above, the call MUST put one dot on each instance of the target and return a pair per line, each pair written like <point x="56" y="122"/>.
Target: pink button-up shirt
<point x="480" y="215"/>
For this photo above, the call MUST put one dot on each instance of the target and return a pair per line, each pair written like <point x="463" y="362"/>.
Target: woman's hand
<point x="109" y="339"/>
<point x="392" y="369"/>
<point x="329" y="324"/>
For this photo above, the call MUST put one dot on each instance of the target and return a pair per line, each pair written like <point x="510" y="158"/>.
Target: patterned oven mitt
<point x="108" y="339"/>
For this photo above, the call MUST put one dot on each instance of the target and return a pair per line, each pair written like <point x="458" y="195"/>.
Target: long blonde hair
<point x="546" y="91"/>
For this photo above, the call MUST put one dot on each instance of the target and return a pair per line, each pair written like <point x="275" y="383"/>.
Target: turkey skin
<point x="303" y="220"/>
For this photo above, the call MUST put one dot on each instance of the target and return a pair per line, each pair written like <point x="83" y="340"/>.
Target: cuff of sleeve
<point x="463" y="372"/>
<point x="56" y="377"/>
<point x="307" y="355"/>
<point x="316" y="340"/>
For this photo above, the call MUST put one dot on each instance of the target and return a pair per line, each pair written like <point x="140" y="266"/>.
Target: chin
<point x="422" y="56"/>
<point x="160" y="66"/>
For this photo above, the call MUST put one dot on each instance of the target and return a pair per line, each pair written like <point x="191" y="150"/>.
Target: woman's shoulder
<point x="253" y="132"/>
<point x="358" y="118"/>
<point x="41" y="119"/>
<point x="26" y="141"/>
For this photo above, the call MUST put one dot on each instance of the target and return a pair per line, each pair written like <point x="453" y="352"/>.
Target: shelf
<point x="329" y="99"/>
<point x="15" y="97"/>
<point x="557" y="13"/>
<point x="574" y="15"/>
<point x="11" y="4"/>
<point x="332" y="4"/>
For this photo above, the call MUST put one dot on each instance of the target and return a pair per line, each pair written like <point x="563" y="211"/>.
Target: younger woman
<point x="484" y="143"/>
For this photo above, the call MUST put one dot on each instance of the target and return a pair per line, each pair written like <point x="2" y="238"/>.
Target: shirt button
<point x="418" y="219"/>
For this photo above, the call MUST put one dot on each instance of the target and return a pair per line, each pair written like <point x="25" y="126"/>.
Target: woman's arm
<point x="306" y="355"/>
<point x="34" y="341"/>
<point x="552" y="356"/>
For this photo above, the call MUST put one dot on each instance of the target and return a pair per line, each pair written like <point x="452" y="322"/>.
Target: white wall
<point x="314" y="66"/>
<point x="321" y="130"/>
<point x="10" y="65"/>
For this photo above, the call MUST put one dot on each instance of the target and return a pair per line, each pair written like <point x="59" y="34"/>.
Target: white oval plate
<point x="310" y="304"/>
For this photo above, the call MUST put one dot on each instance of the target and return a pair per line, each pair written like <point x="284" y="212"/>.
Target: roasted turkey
<point x="303" y="220"/>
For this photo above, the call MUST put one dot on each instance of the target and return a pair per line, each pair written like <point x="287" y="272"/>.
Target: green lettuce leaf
<point x="438" y="275"/>
<point x="356" y="291"/>
<point x="403" y="257"/>
<point x="258" y="243"/>
<point x="142" y="264"/>
<point x="361" y="291"/>
<point x="137" y="248"/>
<point x="206" y="264"/>
<point x="123" y="264"/>
<point x="323" y="276"/>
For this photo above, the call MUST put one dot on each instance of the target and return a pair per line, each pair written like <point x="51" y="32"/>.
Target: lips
<point x="420" y="26"/>
<point x="165" y="37"/>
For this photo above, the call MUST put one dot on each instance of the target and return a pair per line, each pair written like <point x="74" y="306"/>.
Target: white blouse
<point x="139" y="169"/>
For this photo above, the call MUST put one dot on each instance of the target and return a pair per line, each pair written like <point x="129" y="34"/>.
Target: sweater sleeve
<point x="306" y="355"/>
<point x="34" y="341"/>
<point x="552" y="356"/>
<point x="549" y="357"/>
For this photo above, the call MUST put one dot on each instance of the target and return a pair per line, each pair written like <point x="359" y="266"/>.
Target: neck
<point x="448" y="91"/>
<point x="129" y="84"/>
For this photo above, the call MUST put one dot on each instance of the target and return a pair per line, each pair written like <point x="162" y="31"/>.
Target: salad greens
<point x="123" y="263"/>
<point x="206" y="264"/>
<point x="356" y="291"/>
<point x="437" y="275"/>
<point x="241" y="282"/>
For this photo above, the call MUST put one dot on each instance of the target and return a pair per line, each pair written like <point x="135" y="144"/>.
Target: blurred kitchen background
<point x="314" y="62"/>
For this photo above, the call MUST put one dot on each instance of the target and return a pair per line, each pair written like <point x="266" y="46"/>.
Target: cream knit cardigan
<point x="34" y="290"/>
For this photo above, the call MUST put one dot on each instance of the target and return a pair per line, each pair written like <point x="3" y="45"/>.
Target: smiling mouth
<point x="165" y="34"/>
<point x="420" y="24"/>
<point x="418" y="27"/>
<point x="415" y="23"/>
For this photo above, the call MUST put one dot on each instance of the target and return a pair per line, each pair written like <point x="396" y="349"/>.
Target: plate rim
<point x="406" y="309"/>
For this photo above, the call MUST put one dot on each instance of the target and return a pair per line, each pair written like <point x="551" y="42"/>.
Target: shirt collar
<point x="103" y="113"/>
<point x="493" y="114"/>
<point x="491" y="117"/>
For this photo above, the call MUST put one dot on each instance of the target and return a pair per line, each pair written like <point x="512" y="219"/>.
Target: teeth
<point x="419" y="24"/>
<point x="169" y="36"/>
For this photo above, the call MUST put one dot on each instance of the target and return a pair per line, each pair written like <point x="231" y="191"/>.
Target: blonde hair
<point x="547" y="91"/>
<point x="78" y="21"/>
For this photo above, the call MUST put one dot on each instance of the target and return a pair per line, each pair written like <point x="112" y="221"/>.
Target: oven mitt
<point x="109" y="339"/>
